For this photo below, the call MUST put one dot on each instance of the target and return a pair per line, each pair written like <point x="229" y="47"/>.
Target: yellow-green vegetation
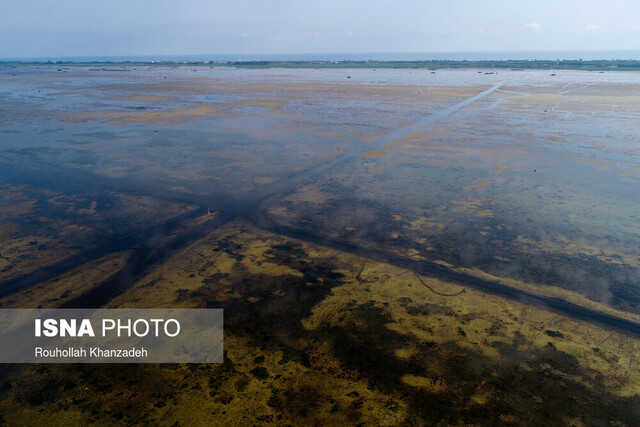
<point x="55" y="292"/>
<point x="41" y="227"/>
<point x="318" y="336"/>
<point x="27" y="234"/>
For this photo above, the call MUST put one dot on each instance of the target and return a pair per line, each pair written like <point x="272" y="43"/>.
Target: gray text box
<point x="111" y="336"/>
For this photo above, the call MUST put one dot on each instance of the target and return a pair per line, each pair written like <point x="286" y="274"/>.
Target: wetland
<point x="390" y="246"/>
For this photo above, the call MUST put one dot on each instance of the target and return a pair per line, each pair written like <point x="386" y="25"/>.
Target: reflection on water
<point x="134" y="188"/>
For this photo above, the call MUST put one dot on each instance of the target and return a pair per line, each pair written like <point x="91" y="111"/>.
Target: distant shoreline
<point x="587" y="65"/>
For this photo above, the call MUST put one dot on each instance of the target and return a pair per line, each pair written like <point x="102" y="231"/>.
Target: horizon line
<point x="439" y="52"/>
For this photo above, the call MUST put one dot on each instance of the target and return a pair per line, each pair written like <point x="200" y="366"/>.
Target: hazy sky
<point x="32" y="28"/>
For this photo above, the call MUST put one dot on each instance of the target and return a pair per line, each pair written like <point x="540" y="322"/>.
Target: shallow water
<point x="399" y="247"/>
<point x="538" y="167"/>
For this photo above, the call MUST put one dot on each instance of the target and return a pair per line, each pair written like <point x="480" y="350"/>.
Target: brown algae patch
<point x="422" y="222"/>
<point x="564" y="245"/>
<point x="310" y="194"/>
<point x="477" y="206"/>
<point x="431" y="385"/>
<point x="260" y="103"/>
<point x="171" y="115"/>
<point x="479" y="185"/>
<point x="263" y="180"/>
<point x="375" y="154"/>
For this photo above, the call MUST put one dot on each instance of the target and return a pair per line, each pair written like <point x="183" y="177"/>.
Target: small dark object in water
<point x="348" y="77"/>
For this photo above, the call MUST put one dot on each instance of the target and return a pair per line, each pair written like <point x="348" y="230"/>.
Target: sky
<point x="48" y="28"/>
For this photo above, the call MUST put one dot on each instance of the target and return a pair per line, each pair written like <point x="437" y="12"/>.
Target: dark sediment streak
<point x="141" y="261"/>
<point x="127" y="242"/>
<point x="438" y="271"/>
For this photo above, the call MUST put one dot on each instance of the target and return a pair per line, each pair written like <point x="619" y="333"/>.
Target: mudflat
<point x="399" y="246"/>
